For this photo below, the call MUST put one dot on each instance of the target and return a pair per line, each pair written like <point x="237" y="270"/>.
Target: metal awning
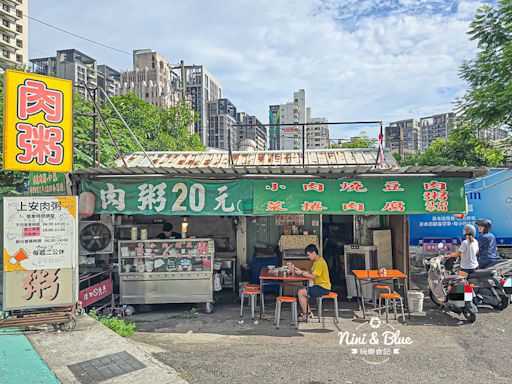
<point x="254" y="172"/>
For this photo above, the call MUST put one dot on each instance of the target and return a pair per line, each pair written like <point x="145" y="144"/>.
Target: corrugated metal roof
<point x="219" y="159"/>
<point x="285" y="171"/>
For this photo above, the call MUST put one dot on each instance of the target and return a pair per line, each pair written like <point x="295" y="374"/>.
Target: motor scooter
<point x="451" y="292"/>
<point x="489" y="285"/>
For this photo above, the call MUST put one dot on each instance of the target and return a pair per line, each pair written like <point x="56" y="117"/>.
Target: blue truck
<point x="489" y="196"/>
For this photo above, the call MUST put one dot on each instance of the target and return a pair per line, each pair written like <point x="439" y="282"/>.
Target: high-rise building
<point x="251" y="128"/>
<point x="274" y="130"/>
<point x="201" y="88"/>
<point x="436" y="127"/>
<point x="69" y="64"/>
<point x="291" y="116"/>
<point x="403" y="137"/>
<point x="222" y="124"/>
<point x="495" y="134"/>
<point x="14" y="30"/>
<point x="151" y="79"/>
<point x="109" y="80"/>
<point x="318" y="134"/>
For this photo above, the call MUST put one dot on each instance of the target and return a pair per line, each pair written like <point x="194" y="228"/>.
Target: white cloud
<point x="357" y="59"/>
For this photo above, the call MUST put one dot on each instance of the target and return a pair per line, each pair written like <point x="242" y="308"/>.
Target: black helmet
<point x="486" y="223"/>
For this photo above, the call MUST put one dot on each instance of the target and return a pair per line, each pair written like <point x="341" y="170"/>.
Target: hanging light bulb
<point x="184" y="228"/>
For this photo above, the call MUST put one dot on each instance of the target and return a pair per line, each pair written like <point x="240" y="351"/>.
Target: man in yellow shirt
<point x="320" y="276"/>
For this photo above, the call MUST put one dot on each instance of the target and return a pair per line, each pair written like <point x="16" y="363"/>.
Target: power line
<point x="77" y="36"/>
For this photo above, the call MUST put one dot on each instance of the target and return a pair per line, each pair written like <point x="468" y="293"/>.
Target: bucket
<point x="416" y="301"/>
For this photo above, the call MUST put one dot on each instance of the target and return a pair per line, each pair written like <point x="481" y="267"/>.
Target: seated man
<point x="320" y="276"/>
<point x="488" y="251"/>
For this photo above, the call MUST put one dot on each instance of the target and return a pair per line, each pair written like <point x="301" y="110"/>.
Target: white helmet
<point x="469" y="229"/>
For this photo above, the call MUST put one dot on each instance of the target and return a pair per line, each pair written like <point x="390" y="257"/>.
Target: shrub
<point x="121" y="327"/>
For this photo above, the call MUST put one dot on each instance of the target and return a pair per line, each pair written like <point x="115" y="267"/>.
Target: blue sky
<point x="356" y="59"/>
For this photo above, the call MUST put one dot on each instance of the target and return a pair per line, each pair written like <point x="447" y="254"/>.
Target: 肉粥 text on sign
<point x="38" y="123"/>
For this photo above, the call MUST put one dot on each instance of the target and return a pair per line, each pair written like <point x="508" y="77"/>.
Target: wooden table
<point x="365" y="276"/>
<point x="268" y="278"/>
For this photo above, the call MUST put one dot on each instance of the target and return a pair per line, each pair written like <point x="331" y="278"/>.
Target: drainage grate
<point x="105" y="367"/>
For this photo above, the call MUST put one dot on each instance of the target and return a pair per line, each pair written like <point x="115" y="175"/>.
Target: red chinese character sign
<point x="386" y="196"/>
<point x="38" y="123"/>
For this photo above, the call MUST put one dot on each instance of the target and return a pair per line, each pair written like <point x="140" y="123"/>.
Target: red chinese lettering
<point x="312" y="186"/>
<point x="274" y="187"/>
<point x="353" y="206"/>
<point x="435" y="195"/>
<point x="34" y="97"/>
<point x="442" y="206"/>
<point x="392" y="186"/>
<point x="276" y="206"/>
<point x="436" y="206"/>
<point x="354" y="186"/>
<point x="313" y="206"/>
<point x="434" y="184"/>
<point x="40" y="143"/>
<point x="394" y="206"/>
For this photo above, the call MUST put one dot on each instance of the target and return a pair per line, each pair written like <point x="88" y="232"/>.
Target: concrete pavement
<point x="218" y="348"/>
<point x="91" y="340"/>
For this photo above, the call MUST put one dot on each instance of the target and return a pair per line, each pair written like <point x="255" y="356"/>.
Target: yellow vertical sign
<point x="38" y="123"/>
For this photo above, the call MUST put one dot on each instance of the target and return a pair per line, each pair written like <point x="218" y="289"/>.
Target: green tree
<point x="488" y="100"/>
<point x="156" y="128"/>
<point x="361" y="141"/>
<point x="461" y="148"/>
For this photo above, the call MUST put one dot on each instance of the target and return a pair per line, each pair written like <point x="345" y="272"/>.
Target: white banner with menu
<point x="40" y="233"/>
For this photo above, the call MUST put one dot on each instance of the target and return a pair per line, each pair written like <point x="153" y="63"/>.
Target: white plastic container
<point x="416" y="301"/>
<point x="134" y="233"/>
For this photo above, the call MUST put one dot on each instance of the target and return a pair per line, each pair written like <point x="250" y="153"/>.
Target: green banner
<point x="47" y="183"/>
<point x="171" y="197"/>
<point x="370" y="196"/>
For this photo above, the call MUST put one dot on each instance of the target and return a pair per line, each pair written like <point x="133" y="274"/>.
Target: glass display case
<point x="166" y="271"/>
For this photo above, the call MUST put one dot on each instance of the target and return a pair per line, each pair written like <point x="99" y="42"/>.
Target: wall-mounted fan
<point x="96" y="237"/>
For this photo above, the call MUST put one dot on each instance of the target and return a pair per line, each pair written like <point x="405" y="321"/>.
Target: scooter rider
<point x="488" y="253"/>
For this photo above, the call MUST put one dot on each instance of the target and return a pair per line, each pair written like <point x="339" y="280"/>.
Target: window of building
<point x="19" y="13"/>
<point x="6" y="23"/>
<point x="5" y="53"/>
<point x="5" y="38"/>
<point x="19" y="43"/>
<point x="19" y="58"/>
<point x="19" y="28"/>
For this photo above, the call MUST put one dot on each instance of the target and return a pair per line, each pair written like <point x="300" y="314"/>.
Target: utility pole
<point x="183" y="82"/>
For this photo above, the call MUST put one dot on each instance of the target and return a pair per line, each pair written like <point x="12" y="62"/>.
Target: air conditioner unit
<point x="359" y="257"/>
<point x="96" y="237"/>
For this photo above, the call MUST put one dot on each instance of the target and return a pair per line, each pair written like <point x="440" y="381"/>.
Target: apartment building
<point x="14" y="31"/>
<point x="250" y="128"/>
<point x="222" y="124"/>
<point x="286" y="129"/>
<point x="404" y="136"/>
<point x="152" y="79"/>
<point x="318" y="133"/>
<point x="109" y="80"/>
<point x="70" y="64"/>
<point x="201" y="88"/>
<point x="436" y="127"/>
